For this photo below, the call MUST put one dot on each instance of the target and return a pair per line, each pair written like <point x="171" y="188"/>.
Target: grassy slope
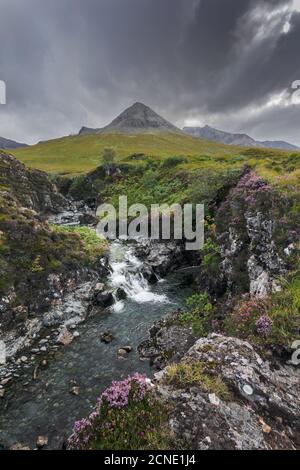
<point x="77" y="155"/>
<point x="80" y="154"/>
<point x="205" y="160"/>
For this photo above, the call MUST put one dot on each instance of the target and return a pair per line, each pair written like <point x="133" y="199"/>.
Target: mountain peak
<point x="137" y="105"/>
<point x="137" y="118"/>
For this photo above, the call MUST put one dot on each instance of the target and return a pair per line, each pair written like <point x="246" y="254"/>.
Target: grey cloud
<point x="69" y="63"/>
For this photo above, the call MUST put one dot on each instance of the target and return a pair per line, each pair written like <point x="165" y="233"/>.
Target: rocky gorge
<point x="70" y="304"/>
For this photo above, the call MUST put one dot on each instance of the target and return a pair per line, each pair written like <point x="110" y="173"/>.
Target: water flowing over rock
<point x="128" y="279"/>
<point x="88" y="362"/>
<point x="161" y="257"/>
<point x="43" y="271"/>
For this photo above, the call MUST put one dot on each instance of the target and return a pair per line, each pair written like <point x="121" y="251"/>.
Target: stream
<point x="45" y="406"/>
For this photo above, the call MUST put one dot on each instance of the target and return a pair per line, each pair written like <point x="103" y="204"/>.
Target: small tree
<point x="108" y="159"/>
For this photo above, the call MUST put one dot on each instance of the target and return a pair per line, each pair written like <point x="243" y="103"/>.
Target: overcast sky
<point x="226" y="63"/>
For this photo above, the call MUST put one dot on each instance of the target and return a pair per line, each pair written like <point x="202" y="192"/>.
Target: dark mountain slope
<point x="10" y="144"/>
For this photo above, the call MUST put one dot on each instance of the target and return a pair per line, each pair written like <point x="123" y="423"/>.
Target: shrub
<point x="127" y="417"/>
<point x="36" y="265"/>
<point x="92" y="247"/>
<point x="242" y="321"/>
<point x="199" y="314"/>
<point x="211" y="256"/>
<point x="274" y="320"/>
<point x="171" y="162"/>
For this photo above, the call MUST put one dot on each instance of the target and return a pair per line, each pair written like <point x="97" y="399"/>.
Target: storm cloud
<point x="227" y="63"/>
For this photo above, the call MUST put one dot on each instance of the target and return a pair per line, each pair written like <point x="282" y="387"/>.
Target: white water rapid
<point x="126" y="275"/>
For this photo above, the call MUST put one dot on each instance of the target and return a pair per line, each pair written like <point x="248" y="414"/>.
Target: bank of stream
<point x="45" y="406"/>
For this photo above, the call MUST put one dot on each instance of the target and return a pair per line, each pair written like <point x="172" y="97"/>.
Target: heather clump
<point x="127" y="416"/>
<point x="242" y="322"/>
<point x="120" y="394"/>
<point x="274" y="319"/>
<point x="254" y="190"/>
<point x="264" y="325"/>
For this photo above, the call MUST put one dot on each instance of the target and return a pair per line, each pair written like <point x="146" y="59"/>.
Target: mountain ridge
<point x="7" y="144"/>
<point x="239" y="139"/>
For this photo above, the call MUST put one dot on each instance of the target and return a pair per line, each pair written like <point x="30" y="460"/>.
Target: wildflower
<point x="118" y="395"/>
<point x="264" y="325"/>
<point x="248" y="309"/>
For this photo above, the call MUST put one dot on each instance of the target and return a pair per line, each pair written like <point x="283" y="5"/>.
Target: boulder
<point x="41" y="441"/>
<point x="122" y="352"/>
<point x="121" y="294"/>
<point x="149" y="274"/>
<point x="104" y="299"/>
<point x="75" y="390"/>
<point x="99" y="287"/>
<point x="160" y="257"/>
<point x="168" y="341"/>
<point x="107" y="337"/>
<point x="261" y="410"/>
<point x="19" y="446"/>
<point x="65" y="337"/>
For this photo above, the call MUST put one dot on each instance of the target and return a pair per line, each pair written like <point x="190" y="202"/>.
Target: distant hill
<point x="136" y="118"/>
<point x="242" y="140"/>
<point x="137" y="130"/>
<point x="88" y="130"/>
<point x="81" y="153"/>
<point x="6" y="144"/>
<point x="279" y="144"/>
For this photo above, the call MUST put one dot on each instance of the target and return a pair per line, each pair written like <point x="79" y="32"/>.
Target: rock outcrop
<point x="168" y="341"/>
<point x="32" y="188"/>
<point x="162" y="257"/>
<point x="39" y="264"/>
<point x="247" y="223"/>
<point x="261" y="410"/>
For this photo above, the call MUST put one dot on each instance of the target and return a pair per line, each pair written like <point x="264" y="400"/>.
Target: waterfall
<point x="126" y="275"/>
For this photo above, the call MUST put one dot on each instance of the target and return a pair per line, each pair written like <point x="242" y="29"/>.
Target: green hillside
<point x="80" y="154"/>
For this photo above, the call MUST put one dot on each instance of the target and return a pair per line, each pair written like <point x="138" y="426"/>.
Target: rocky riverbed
<point x="61" y="372"/>
<point x="76" y="315"/>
